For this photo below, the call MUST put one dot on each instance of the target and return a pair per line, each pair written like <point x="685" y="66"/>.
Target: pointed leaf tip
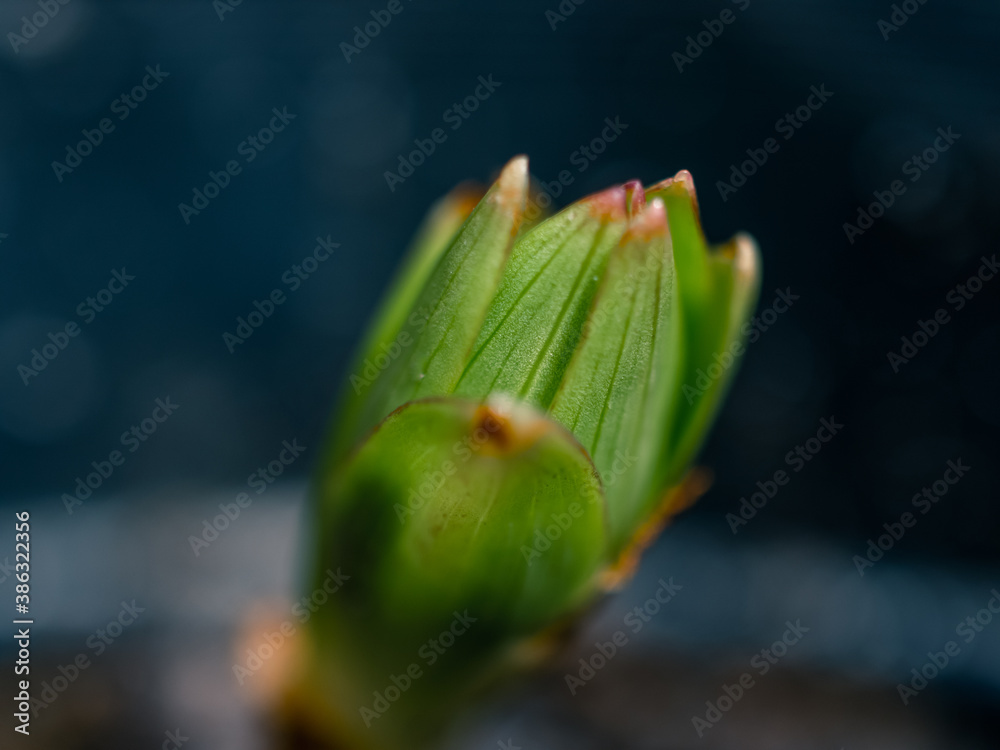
<point x="746" y="256"/>
<point x="512" y="185"/>
<point x="682" y="181"/>
<point x="635" y="197"/>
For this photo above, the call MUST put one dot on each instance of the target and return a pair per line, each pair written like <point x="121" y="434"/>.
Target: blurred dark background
<point x="323" y="175"/>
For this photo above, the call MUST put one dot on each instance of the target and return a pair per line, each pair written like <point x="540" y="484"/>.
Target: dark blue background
<point x="324" y="176"/>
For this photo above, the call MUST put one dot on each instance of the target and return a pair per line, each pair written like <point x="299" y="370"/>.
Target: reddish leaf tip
<point x="682" y="181"/>
<point x="608" y="204"/>
<point x="650" y="224"/>
<point x="635" y="197"/>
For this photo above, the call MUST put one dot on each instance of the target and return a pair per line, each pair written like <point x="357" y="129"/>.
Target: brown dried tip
<point x="500" y="433"/>
<point x="504" y="428"/>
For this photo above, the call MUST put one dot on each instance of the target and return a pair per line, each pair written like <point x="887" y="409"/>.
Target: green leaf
<point x="536" y="319"/>
<point x="716" y="291"/>
<point x="434" y="237"/>
<point x="451" y="506"/>
<point x="619" y="392"/>
<point x="427" y="356"/>
<point x="734" y="270"/>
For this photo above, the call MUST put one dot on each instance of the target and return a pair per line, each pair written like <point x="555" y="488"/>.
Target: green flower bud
<point x="524" y="401"/>
<point x="488" y="514"/>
